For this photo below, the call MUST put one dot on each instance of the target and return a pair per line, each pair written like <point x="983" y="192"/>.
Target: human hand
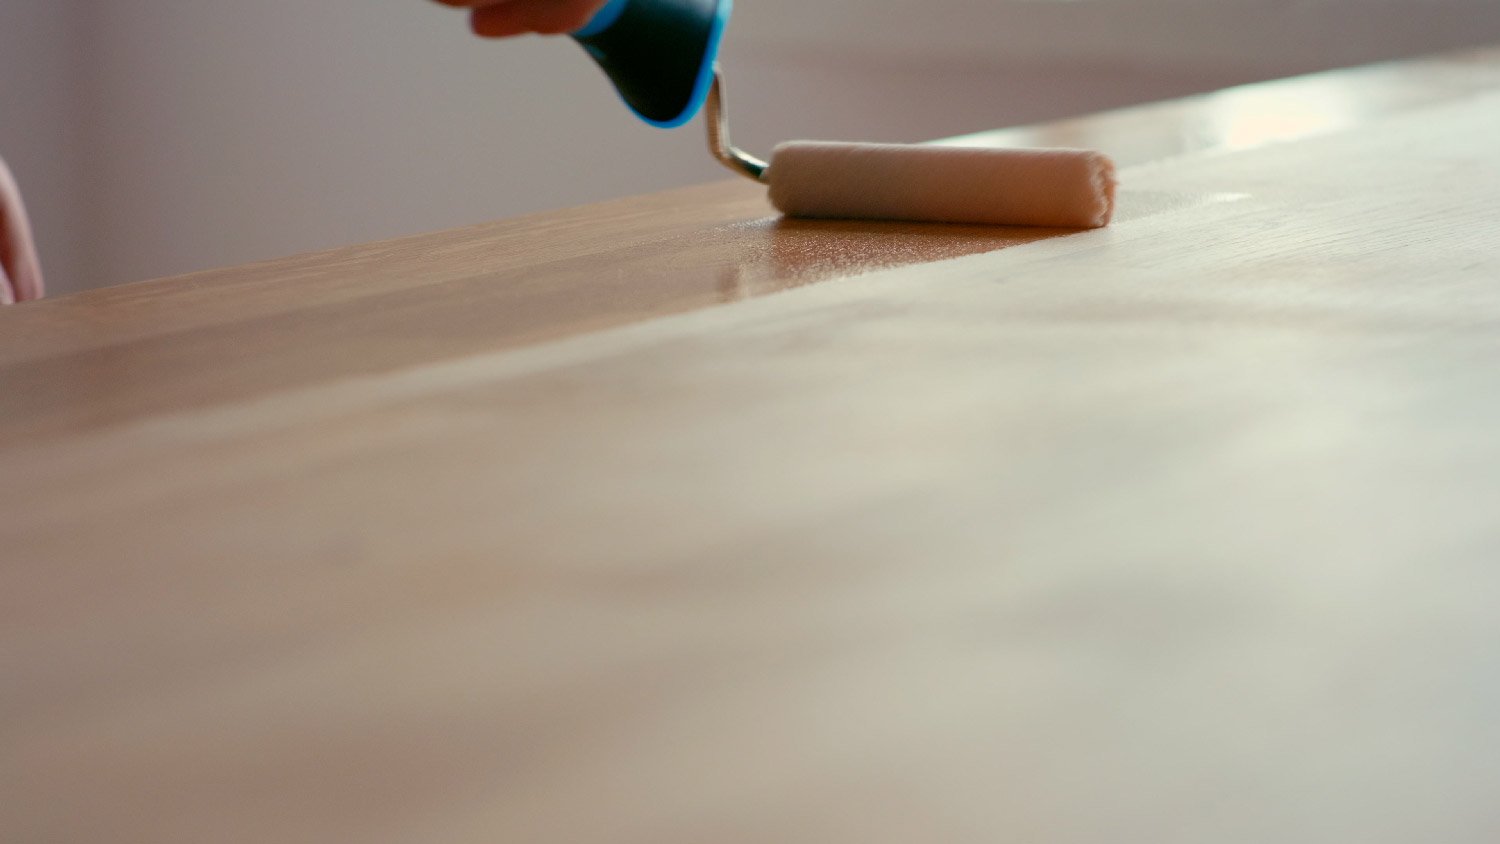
<point x="503" y="18"/>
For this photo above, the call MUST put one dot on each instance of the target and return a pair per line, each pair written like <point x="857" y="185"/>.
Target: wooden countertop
<point x="556" y="529"/>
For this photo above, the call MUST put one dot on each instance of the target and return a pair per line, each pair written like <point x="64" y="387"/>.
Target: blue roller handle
<point x="659" y="54"/>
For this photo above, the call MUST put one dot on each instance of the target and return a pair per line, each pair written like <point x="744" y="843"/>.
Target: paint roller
<point x="662" y="57"/>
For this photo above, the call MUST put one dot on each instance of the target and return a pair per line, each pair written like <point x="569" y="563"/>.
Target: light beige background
<point x="161" y="136"/>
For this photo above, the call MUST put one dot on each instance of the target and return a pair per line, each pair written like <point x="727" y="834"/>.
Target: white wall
<point x="239" y="131"/>
<point x="161" y="136"/>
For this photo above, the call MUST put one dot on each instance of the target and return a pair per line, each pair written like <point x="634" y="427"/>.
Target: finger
<point x="500" y="20"/>
<point x="566" y="16"/>
<point x="547" y="17"/>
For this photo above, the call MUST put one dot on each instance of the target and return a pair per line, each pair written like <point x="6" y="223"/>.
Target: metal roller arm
<point x="716" y="116"/>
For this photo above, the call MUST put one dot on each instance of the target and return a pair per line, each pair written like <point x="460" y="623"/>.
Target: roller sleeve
<point x="1017" y="187"/>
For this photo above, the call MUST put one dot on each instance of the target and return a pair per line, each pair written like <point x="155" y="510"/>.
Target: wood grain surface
<point x="1182" y="530"/>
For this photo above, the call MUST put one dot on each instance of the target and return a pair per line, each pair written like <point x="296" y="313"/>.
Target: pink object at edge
<point x="20" y="271"/>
